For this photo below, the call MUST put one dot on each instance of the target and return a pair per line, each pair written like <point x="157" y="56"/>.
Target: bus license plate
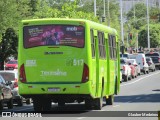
<point x="53" y="89"/>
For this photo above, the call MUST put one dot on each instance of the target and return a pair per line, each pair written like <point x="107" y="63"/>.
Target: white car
<point x="141" y="60"/>
<point x="133" y="62"/>
<point x="125" y="69"/>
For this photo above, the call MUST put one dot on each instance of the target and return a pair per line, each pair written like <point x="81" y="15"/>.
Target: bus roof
<point x="68" y="20"/>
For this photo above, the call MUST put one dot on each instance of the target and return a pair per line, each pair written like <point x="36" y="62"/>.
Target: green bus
<point x="68" y="60"/>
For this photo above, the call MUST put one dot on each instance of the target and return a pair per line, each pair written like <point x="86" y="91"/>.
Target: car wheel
<point x="130" y="78"/>
<point x="10" y="104"/>
<point x="1" y="104"/>
<point x="28" y="101"/>
<point x="135" y="76"/>
<point x="125" y="78"/>
<point x="20" y="102"/>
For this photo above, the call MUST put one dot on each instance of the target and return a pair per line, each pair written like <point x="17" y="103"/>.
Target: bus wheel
<point x="61" y="103"/>
<point x="109" y="101"/>
<point x="88" y="104"/>
<point x="37" y="104"/>
<point x="47" y="105"/>
<point x="98" y="103"/>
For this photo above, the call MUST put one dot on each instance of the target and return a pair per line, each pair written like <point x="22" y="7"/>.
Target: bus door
<point x="97" y="61"/>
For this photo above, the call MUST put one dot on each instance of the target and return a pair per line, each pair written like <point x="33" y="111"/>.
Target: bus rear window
<point x="53" y="35"/>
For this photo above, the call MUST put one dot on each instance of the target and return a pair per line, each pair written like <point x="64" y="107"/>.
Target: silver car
<point x="12" y="76"/>
<point x="150" y="64"/>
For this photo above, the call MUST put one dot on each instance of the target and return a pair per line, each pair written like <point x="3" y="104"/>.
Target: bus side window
<point x="102" y="52"/>
<point x="104" y="46"/>
<point x="110" y="46"/>
<point x="114" y="47"/>
<point x="92" y="43"/>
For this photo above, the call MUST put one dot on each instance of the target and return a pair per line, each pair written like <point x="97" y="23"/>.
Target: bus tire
<point x="115" y="89"/>
<point x="47" y="105"/>
<point x="110" y="100"/>
<point x="98" y="103"/>
<point x="37" y="104"/>
<point x="88" y="104"/>
<point x="61" y="103"/>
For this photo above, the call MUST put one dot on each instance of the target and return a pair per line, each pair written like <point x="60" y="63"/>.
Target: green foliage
<point x="8" y="45"/>
<point x="154" y="36"/>
<point x="138" y="25"/>
<point x="138" y="18"/>
<point x="8" y="15"/>
<point x="12" y="12"/>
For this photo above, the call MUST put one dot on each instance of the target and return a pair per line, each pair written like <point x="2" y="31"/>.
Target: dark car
<point x="155" y="58"/>
<point x="12" y="76"/>
<point x="150" y="64"/>
<point x="5" y="94"/>
<point x="11" y="65"/>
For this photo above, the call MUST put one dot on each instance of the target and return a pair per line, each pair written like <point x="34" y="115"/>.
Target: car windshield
<point x="122" y="61"/>
<point x="131" y="61"/>
<point x="8" y="76"/>
<point x="155" y="58"/>
<point x="124" y="55"/>
<point x="147" y="59"/>
<point x="12" y="62"/>
<point x="152" y="54"/>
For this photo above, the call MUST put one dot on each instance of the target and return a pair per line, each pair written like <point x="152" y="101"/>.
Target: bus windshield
<point x="44" y="35"/>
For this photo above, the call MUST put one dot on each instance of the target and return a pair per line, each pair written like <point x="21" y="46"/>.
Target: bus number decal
<point x="78" y="62"/>
<point x="74" y="62"/>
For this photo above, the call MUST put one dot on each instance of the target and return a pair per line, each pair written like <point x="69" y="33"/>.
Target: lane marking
<point x="155" y="92"/>
<point x="140" y="79"/>
<point x="24" y="109"/>
<point x="81" y="118"/>
<point x="116" y="106"/>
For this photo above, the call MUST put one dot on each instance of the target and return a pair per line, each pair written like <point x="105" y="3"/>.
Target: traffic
<point x="133" y="65"/>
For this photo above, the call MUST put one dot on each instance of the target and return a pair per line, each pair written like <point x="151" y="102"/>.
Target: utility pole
<point x="95" y="8"/>
<point x="148" y="26"/>
<point x="108" y="13"/>
<point x="122" y="34"/>
<point x="104" y="14"/>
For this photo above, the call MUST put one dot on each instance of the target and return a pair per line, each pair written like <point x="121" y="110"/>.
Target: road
<point x="140" y="94"/>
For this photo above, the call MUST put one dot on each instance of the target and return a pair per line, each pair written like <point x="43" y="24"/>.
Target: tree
<point x="139" y="18"/>
<point x="154" y="36"/>
<point x="8" y="45"/>
<point x="8" y="13"/>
